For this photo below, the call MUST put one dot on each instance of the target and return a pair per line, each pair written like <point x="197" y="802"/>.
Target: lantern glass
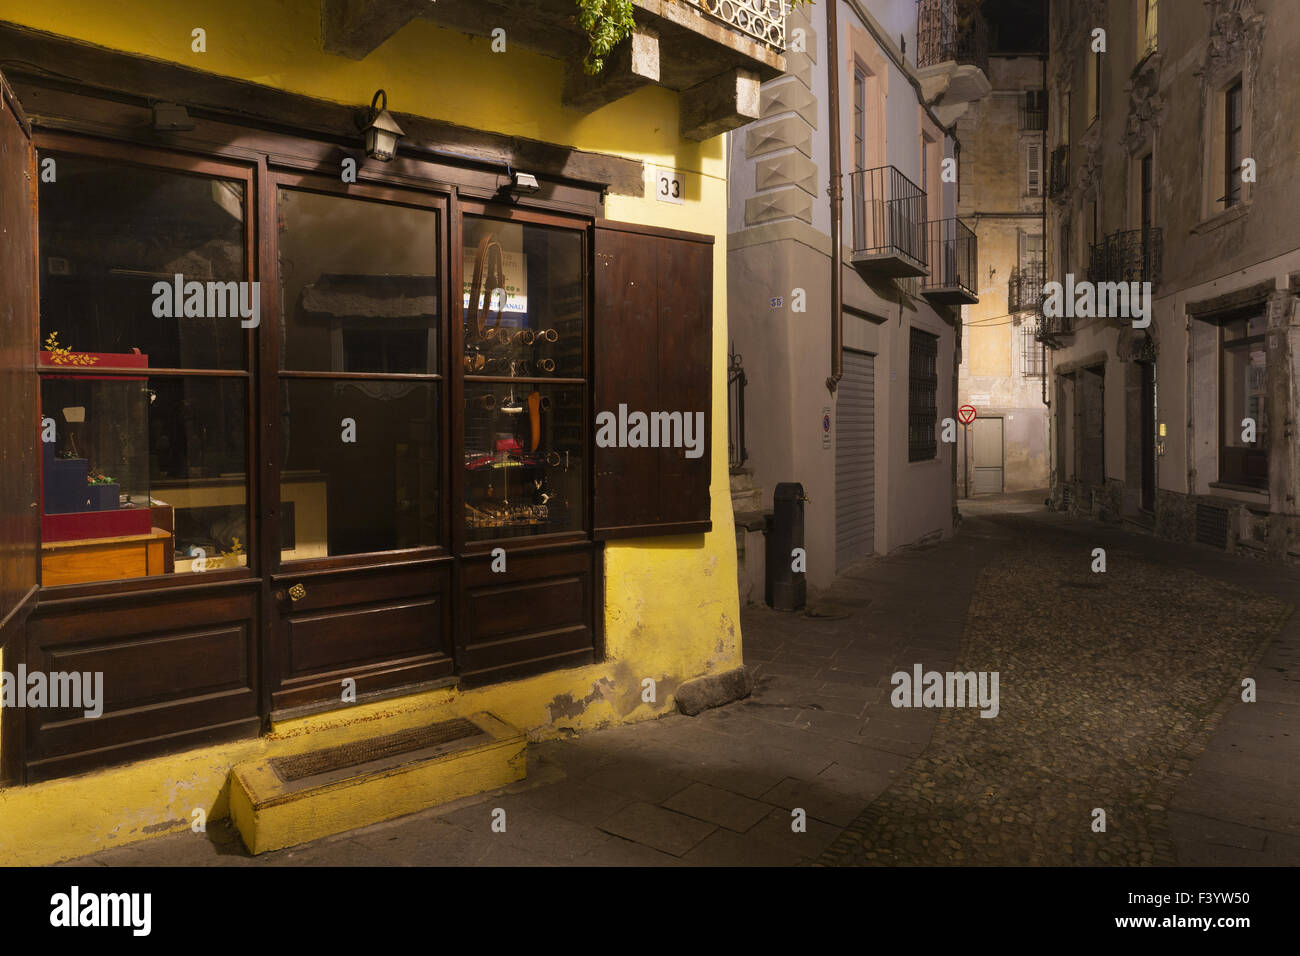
<point x="380" y="144"/>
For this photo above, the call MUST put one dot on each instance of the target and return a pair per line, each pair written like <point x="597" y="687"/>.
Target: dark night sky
<point x="1016" y="26"/>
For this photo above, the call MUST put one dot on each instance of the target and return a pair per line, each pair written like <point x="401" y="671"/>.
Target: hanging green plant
<point x="609" y="22"/>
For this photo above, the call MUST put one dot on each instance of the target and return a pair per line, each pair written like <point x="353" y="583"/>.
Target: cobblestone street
<point x="1118" y="691"/>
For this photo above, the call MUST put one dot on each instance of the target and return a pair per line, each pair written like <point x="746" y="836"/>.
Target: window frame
<point x="1231" y="458"/>
<point x="213" y="167"/>
<point x="459" y="542"/>
<point x="1034" y="171"/>
<point x="274" y="374"/>
<point x="1233" y="158"/>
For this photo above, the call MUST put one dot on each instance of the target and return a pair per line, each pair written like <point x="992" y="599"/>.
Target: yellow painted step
<point x="283" y="801"/>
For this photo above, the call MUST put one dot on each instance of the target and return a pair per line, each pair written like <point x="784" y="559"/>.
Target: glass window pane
<point x="523" y="460"/>
<point x="539" y="329"/>
<point x="1245" y="389"/>
<point x="358" y="285"/>
<point x="360" y="467"/>
<point x="142" y="477"/>
<point x="113" y="238"/>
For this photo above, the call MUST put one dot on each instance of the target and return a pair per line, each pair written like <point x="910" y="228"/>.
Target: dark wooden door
<point x="1148" y="435"/>
<point x="19" y="418"/>
<point x="355" y="538"/>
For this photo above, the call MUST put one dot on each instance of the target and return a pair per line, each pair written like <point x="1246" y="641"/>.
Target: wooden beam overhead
<point x="355" y="28"/>
<point x="632" y="65"/>
<point x="728" y="101"/>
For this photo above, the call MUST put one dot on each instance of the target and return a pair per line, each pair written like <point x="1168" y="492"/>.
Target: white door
<point x="987" y="447"/>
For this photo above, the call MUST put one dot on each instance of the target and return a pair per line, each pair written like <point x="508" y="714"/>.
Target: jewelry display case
<point x="525" y="388"/>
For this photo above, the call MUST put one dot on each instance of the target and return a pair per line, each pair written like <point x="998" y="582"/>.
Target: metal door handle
<point x="297" y="593"/>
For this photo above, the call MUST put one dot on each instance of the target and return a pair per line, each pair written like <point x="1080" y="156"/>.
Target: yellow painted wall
<point x="672" y="611"/>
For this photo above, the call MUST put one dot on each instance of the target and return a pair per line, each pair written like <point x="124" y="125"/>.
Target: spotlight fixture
<point x="520" y="184"/>
<point x="171" y="116"/>
<point x="381" y="131"/>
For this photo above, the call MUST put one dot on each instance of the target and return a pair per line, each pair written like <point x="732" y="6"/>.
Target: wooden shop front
<point x="389" y="478"/>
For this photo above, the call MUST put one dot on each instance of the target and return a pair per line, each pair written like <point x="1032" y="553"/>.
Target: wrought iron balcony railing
<point x="1053" y="327"/>
<point x="888" y="222"/>
<point x="1133" y="255"/>
<point x="1058" y="179"/>
<point x="951" y="30"/>
<point x="952" y="252"/>
<point x="764" y="20"/>
<point x="1025" y="289"/>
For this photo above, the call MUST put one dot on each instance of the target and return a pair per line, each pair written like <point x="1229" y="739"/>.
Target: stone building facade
<point x="1174" y="161"/>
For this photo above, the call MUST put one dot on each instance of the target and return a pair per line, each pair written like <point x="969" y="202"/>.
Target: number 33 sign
<point x="669" y="186"/>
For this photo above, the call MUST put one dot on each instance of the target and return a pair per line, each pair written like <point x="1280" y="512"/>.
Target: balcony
<point x="1025" y="289"/>
<point x="889" y="224"/>
<point x="1130" y="256"/>
<point x="1054" y="330"/>
<point x="1058" y="178"/>
<point x="951" y="30"/>
<point x="953" y="255"/>
<point x="714" y="52"/>
<point x="952" y="56"/>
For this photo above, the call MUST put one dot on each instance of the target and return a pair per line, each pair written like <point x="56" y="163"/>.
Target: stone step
<point x="751" y="500"/>
<point x="287" y="800"/>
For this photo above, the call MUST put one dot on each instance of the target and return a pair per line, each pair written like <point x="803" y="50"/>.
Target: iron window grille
<point x="922" y="396"/>
<point x="737" y="453"/>
<point x="1033" y="110"/>
<point x="1031" y="353"/>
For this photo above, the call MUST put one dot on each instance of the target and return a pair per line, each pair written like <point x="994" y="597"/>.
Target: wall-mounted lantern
<point x="382" y="131"/>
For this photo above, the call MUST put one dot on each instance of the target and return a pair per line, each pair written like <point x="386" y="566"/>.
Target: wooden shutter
<point x="19" y="414"/>
<point x="652" y="332"/>
<point x="1034" y="169"/>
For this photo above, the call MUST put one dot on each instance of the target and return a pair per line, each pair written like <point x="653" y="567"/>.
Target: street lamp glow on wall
<point x="382" y="131"/>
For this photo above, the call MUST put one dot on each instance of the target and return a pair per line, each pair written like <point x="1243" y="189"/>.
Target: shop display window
<point x="524" y="420"/>
<point x="144" y="465"/>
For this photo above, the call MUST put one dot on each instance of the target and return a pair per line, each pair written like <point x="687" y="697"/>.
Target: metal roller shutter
<point x="855" y="460"/>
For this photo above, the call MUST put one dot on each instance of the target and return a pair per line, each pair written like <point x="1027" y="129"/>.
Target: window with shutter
<point x="652" y="334"/>
<point x="1034" y="169"/>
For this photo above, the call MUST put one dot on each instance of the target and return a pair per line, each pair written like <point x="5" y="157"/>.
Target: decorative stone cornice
<point x="1090" y="166"/>
<point x="1146" y="106"/>
<point x="1236" y="31"/>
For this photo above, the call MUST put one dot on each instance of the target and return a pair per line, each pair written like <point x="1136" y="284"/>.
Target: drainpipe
<point x="1047" y="30"/>
<point x="1047" y="45"/>
<point x="837" y="196"/>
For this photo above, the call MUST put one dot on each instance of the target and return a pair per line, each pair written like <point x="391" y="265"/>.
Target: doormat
<point x="298" y="766"/>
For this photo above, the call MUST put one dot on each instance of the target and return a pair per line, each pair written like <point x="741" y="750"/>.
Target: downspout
<point x="837" y="197"/>
<point x="1047" y="29"/>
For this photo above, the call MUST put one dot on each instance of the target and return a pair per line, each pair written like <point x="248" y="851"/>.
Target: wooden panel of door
<point x="535" y="616"/>
<point x="382" y="627"/>
<point x="178" y="670"/>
